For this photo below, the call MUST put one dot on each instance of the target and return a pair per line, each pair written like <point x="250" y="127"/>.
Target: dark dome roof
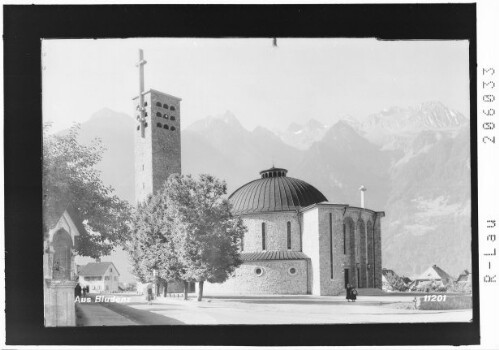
<point x="274" y="192"/>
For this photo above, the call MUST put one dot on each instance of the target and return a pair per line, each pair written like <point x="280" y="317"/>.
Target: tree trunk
<point x="165" y="290"/>
<point x="186" y="289"/>
<point x="157" y="289"/>
<point x="200" y="291"/>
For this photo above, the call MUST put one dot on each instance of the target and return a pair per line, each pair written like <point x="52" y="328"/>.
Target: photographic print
<point x="256" y="181"/>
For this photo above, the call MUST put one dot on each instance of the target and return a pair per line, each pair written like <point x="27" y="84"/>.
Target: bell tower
<point x="157" y="137"/>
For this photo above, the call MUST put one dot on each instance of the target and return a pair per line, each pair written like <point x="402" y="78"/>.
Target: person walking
<point x="78" y="290"/>
<point x="349" y="292"/>
<point x="149" y="294"/>
<point x="353" y="294"/>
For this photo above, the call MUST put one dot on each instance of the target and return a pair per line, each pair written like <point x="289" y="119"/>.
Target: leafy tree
<point x="205" y="234"/>
<point x="70" y="177"/>
<point x="151" y="246"/>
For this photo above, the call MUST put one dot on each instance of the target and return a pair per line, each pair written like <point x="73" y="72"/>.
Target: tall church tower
<point x="157" y="138"/>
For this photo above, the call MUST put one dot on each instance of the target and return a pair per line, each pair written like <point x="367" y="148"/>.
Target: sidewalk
<point x="94" y="314"/>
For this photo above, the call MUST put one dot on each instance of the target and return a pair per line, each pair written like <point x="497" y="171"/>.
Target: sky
<point x="324" y="79"/>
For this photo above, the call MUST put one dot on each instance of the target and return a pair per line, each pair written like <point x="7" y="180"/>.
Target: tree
<point x="70" y="177"/>
<point x="151" y="246"/>
<point x="205" y="235"/>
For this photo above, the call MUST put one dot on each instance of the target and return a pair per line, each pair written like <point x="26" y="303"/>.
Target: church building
<point x="297" y="242"/>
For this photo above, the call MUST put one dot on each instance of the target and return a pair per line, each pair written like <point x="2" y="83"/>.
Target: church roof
<point x="96" y="269"/>
<point x="274" y="191"/>
<point x="273" y="255"/>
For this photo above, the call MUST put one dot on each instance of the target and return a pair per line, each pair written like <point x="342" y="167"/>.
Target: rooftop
<point x="96" y="269"/>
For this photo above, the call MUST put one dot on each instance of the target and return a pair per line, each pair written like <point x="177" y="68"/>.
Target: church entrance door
<point x="347" y="278"/>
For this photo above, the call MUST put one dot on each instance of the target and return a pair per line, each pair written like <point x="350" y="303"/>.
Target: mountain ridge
<point x="420" y="182"/>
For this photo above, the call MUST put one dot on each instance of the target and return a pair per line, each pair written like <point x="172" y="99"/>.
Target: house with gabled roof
<point x="100" y="277"/>
<point x="432" y="277"/>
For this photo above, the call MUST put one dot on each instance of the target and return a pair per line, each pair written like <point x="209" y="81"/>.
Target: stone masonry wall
<point x="275" y="231"/>
<point x="143" y="153"/>
<point x="158" y="154"/>
<point x="317" y="245"/>
<point x="166" y="142"/>
<point x="378" y="258"/>
<point x="275" y="279"/>
<point x="310" y="227"/>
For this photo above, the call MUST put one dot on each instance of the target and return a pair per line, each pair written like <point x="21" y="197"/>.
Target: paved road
<point x="117" y="314"/>
<point x="277" y="310"/>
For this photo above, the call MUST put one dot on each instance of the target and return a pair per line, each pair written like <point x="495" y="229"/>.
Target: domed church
<point x="299" y="243"/>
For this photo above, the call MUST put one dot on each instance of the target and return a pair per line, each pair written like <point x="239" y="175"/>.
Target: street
<point x="302" y="309"/>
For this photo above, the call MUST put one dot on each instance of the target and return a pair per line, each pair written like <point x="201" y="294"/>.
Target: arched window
<point x="158" y="104"/>
<point x="146" y="125"/>
<point x="159" y="125"/>
<point x="145" y="103"/>
<point x="165" y="106"/>
<point x="172" y="108"/>
<point x="289" y="234"/>
<point x="165" y="116"/>
<point x="172" y="117"/>
<point x="165" y="127"/>
<point x="158" y="114"/>
<point x="145" y="113"/>
<point x="264" y="244"/>
<point x="172" y="128"/>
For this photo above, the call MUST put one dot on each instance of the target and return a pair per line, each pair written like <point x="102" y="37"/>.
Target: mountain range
<point x="414" y="162"/>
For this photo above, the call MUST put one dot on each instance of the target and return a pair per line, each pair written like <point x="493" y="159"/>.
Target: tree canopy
<point x="186" y="231"/>
<point x="70" y="177"/>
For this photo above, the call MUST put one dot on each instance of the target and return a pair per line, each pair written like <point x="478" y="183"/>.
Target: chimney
<point x="362" y="189"/>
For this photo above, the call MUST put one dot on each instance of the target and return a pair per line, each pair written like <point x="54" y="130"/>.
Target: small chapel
<point x="297" y="242"/>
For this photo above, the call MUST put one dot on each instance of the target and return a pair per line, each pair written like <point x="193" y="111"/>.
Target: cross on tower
<point x="142" y="118"/>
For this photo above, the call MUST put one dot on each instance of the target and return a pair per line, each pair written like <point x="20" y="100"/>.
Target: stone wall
<point x="274" y="279"/>
<point x="166" y="142"/>
<point x="318" y="246"/>
<point x="143" y="153"/>
<point x="332" y="285"/>
<point x="275" y="231"/>
<point x="158" y="154"/>
<point x="59" y="297"/>
<point x="310" y="227"/>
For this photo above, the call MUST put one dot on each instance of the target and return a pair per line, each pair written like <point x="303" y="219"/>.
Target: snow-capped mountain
<point x="414" y="162"/>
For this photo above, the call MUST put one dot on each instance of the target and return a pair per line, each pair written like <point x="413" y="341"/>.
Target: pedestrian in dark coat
<point x="78" y="290"/>
<point x="149" y="294"/>
<point x="349" y="292"/>
<point x="353" y="294"/>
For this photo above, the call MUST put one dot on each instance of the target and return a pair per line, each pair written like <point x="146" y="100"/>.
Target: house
<point x="99" y="277"/>
<point x="62" y="228"/>
<point x="393" y="282"/>
<point x="431" y="279"/>
<point x="464" y="277"/>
